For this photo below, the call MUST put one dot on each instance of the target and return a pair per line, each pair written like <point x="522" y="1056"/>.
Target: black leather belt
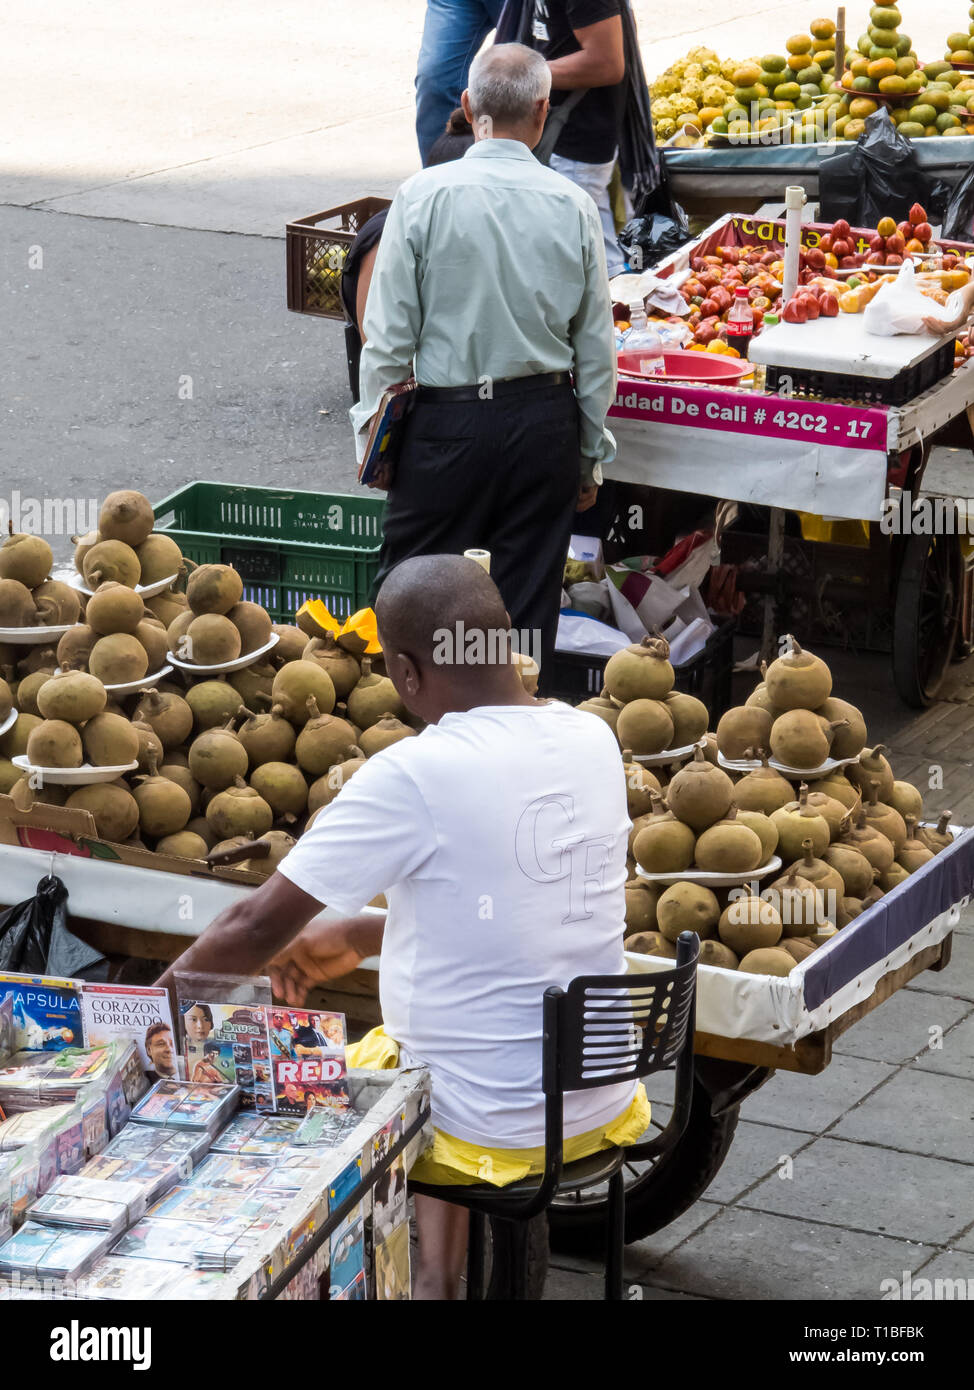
<point x="513" y="386"/>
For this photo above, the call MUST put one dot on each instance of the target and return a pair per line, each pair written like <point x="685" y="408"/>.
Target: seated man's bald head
<point x="431" y="594"/>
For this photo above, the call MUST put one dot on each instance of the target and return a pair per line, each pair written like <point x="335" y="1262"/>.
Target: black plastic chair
<point x="602" y="1030"/>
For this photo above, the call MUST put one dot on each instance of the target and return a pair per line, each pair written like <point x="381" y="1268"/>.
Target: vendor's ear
<point x="465" y="103"/>
<point x="404" y="674"/>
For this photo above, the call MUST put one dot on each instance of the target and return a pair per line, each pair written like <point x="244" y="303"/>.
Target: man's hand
<point x="586" y="497"/>
<point x="381" y="478"/>
<point x="324" y="951"/>
<point x="939" y="329"/>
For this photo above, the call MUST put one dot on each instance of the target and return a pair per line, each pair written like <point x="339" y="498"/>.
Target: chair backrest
<point x="613" y="1028"/>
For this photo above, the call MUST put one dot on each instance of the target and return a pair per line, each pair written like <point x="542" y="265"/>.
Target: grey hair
<point x="506" y="83"/>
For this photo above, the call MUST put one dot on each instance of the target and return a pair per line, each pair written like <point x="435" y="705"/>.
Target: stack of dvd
<point x="325" y="1128"/>
<point x="257" y="1134"/>
<point x="150" y="1141"/>
<point x="183" y="1105"/>
<point x="234" y="1172"/>
<point x="48" y="1250"/>
<point x="33" y="1080"/>
<point x="153" y="1176"/>
<point x="27" y="1128"/>
<point x="172" y="1241"/>
<point x="90" y="1203"/>
<point x="112" y="1277"/>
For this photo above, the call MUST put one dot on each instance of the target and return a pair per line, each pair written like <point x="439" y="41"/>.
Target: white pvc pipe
<point x="794" y="202"/>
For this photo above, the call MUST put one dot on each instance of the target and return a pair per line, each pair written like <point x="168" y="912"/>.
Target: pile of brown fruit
<point x="844" y="840"/>
<point x="224" y="763"/>
<point x="639" y="703"/>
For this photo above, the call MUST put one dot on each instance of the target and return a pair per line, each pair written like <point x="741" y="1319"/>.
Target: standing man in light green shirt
<point x="490" y="285"/>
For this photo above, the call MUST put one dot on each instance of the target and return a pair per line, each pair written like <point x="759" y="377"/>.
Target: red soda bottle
<point x="740" y="322"/>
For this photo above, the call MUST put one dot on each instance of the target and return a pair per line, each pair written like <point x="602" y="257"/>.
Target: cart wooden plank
<point x="812" y="1054"/>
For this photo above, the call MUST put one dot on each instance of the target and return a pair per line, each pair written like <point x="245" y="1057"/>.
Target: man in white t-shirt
<point x="499" y="838"/>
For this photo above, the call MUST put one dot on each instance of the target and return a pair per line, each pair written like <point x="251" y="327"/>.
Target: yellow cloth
<point x="454" y="1162"/>
<point x="816" y="528"/>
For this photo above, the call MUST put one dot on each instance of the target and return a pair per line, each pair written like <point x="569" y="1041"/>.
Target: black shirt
<point x="591" y="134"/>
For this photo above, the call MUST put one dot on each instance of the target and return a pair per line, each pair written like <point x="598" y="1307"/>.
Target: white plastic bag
<point x="899" y="307"/>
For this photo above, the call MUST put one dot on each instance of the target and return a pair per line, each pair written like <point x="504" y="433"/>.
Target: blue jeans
<point x="452" y="35"/>
<point x="595" y="180"/>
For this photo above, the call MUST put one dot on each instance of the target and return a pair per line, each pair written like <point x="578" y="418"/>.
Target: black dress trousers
<point x="502" y="475"/>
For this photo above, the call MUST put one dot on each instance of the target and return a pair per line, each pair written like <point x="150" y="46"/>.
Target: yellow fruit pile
<point x="696" y="88"/>
<point x="960" y="47"/>
<point x="744" y="99"/>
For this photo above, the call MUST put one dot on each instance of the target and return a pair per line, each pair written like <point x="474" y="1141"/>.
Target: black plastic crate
<point x="869" y="390"/>
<point x="577" y="676"/>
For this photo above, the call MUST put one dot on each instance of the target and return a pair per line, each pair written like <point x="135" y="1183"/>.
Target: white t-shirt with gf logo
<point x="499" y="839"/>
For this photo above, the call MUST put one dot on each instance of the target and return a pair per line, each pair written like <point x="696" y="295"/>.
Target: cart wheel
<point x="656" y="1192"/>
<point x="926" y="616"/>
<point x="518" y="1259"/>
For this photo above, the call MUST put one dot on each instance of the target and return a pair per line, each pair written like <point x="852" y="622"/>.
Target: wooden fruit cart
<point x="780" y="452"/>
<point x="747" y="1025"/>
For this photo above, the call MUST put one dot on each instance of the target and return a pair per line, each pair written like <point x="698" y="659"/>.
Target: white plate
<point x="711" y="879"/>
<point x="738" y="764"/>
<point x="73" y="776"/>
<point x="237" y="665"/>
<point x="144" y="591"/>
<point x="129" y="687"/>
<point x="11" y="720"/>
<point x="811" y="774"/>
<point x="33" y="636"/>
<point x="669" y="755"/>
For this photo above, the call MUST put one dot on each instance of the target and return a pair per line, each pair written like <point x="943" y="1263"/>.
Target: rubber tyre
<point x="518" y="1259"/>
<point x="926" y="616"/>
<point x="661" y="1194"/>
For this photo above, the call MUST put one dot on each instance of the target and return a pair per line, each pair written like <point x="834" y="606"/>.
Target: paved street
<point x="157" y="154"/>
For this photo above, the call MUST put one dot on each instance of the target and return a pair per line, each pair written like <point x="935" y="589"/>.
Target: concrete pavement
<point x="240" y="119"/>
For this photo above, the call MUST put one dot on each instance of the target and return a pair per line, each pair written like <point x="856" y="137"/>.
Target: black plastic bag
<point x="959" y="214"/>
<point x="646" y="240"/>
<point x="880" y="176"/>
<point x="35" y="938"/>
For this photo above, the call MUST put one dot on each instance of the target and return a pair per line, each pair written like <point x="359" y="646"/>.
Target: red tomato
<point x="840" y="231"/>
<point x="829" y="305"/>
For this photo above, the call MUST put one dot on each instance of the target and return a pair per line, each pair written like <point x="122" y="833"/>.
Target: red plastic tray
<point x="690" y="366"/>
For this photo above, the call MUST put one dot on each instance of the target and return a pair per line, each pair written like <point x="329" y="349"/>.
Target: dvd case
<point x="37" y="1249"/>
<point x="100" y="1203"/>
<point x="114" y="1277"/>
<point x="136" y="1013"/>
<point x="187" y="1106"/>
<point x="46" y="1011"/>
<point x="228" y="1043"/>
<point x="308" y="1065"/>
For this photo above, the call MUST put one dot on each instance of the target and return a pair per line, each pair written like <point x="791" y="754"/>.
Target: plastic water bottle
<point x="740" y="322"/>
<point x="645" y="341"/>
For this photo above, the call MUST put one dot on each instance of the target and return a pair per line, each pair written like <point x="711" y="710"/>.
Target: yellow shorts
<point x="454" y="1162"/>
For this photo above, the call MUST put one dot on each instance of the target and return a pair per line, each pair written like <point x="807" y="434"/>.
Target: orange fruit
<point x="886" y="226"/>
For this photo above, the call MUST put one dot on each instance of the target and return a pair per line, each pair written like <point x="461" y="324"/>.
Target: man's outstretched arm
<point x="244" y="938"/>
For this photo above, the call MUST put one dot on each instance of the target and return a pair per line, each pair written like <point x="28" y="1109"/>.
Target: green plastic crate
<point x="288" y="546"/>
